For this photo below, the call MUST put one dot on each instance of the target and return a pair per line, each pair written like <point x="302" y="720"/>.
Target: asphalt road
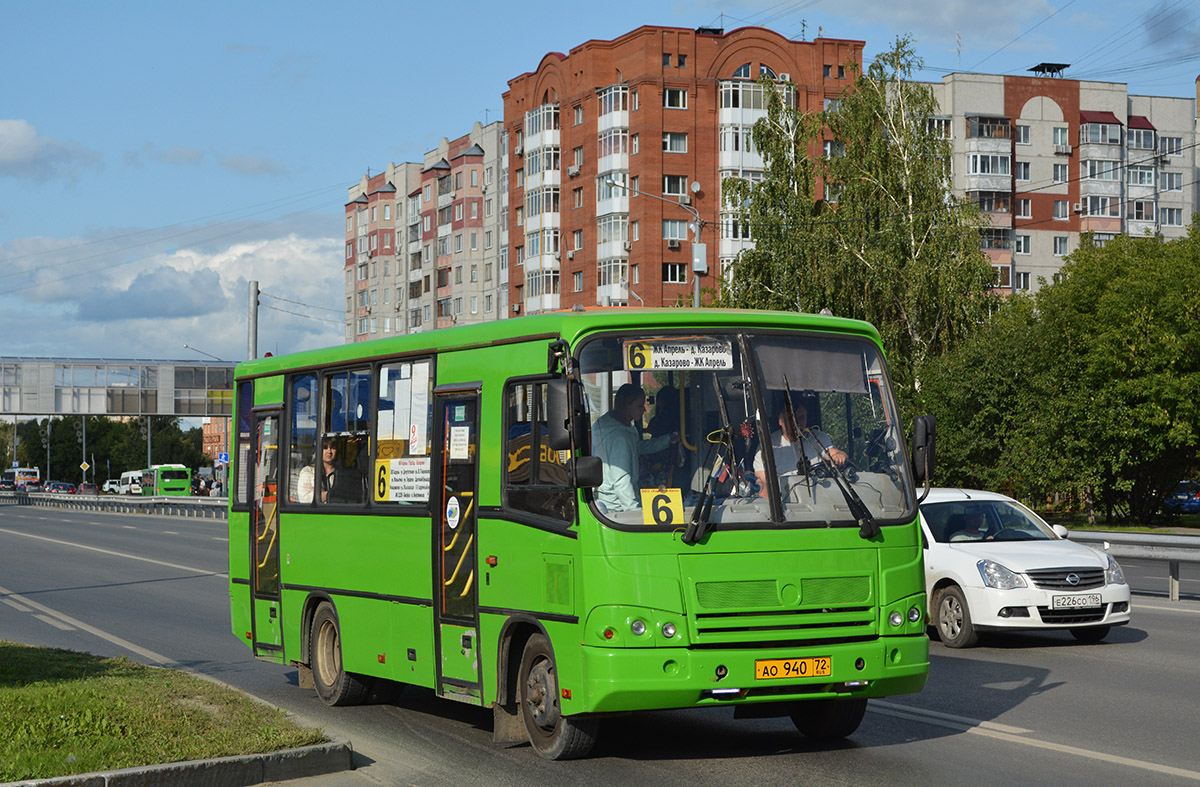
<point x="1028" y="708"/>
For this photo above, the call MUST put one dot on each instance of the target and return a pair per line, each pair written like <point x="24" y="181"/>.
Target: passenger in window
<point x="340" y="483"/>
<point x="811" y="444"/>
<point x="617" y="440"/>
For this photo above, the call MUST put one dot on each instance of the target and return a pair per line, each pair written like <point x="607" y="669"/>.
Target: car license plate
<point x="774" y="669"/>
<point x="1074" y="602"/>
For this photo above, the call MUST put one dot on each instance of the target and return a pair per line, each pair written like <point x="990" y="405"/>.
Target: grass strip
<point x="64" y="713"/>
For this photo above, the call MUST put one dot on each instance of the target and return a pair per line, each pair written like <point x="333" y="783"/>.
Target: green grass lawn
<point x="64" y="713"/>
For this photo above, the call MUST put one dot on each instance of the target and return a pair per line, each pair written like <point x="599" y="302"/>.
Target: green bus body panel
<point x="738" y="596"/>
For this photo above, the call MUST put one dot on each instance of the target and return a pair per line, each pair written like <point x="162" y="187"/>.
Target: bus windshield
<point x="766" y="428"/>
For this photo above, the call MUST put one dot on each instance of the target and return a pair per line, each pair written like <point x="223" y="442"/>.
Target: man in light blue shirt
<point x="619" y="443"/>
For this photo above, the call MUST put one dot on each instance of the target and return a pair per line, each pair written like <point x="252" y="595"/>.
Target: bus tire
<point x="334" y="685"/>
<point x="829" y="719"/>
<point x="554" y="736"/>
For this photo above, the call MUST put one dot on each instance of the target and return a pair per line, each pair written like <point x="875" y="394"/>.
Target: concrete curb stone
<point x="240" y="770"/>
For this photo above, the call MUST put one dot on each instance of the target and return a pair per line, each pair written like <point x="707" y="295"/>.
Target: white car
<point x="991" y="564"/>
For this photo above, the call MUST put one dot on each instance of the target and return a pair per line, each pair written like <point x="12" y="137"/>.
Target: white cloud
<point x="24" y="153"/>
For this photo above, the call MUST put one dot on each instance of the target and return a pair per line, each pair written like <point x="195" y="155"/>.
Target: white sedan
<point x="992" y="564"/>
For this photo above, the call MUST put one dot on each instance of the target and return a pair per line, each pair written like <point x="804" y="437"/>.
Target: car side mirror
<point x="1060" y="531"/>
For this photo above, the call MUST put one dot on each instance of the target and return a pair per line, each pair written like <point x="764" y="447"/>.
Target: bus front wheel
<point x="554" y="736"/>
<point x="334" y="685"/>
<point x="828" y="719"/>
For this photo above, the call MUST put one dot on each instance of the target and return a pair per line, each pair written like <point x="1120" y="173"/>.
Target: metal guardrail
<point x="1146" y="546"/>
<point x="206" y="507"/>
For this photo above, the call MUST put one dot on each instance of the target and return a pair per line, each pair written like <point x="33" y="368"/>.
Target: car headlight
<point x="997" y="576"/>
<point x="1113" y="575"/>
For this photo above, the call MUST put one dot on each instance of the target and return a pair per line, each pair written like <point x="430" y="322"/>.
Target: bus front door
<point x="455" y="509"/>
<point x="264" y="540"/>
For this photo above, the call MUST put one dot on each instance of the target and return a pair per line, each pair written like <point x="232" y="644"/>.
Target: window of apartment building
<point x="1100" y="134"/>
<point x="458" y="211"/>
<point x="487" y="271"/>
<point x="487" y="303"/>
<point x="666" y="59"/>
<point x="362" y="272"/>
<point x="674" y="142"/>
<point x="425" y="220"/>
<point x="832" y="104"/>
<point x="1061" y="173"/>
<point x="675" y="98"/>
<point x="994" y="238"/>
<point x="577" y="240"/>
<point x="674" y="229"/>
<point x="458" y="305"/>
<point x="1172" y="181"/>
<point x="1170" y="146"/>
<point x="578" y="111"/>
<point x="374" y="214"/>
<point x="426" y="282"/>
<point x="1100" y="169"/>
<point x="414" y="290"/>
<point x="487" y="208"/>
<point x="940" y="127"/>
<point x="681" y="61"/>
<point x="520" y="176"/>
<point x="635" y="274"/>
<point x="1022" y="135"/>
<point x="1139" y="176"/>
<point x="826" y="71"/>
<point x="424" y="254"/>
<point x="1102" y="206"/>
<point x="474" y="178"/>
<point x="1021" y="170"/>
<point x="458" y="274"/>
<point x="633" y="230"/>
<point x="633" y="99"/>
<point x="443" y="277"/>
<point x="428" y="192"/>
<point x="1061" y="135"/>
<point x="1024" y="208"/>
<point x="443" y="246"/>
<point x="349" y="224"/>
<point x="387" y="244"/>
<point x="1170" y="217"/>
<point x="1061" y="209"/>
<point x="635" y="144"/>
<point x="988" y="128"/>
<point x="474" y="241"/>
<point x="613" y="142"/>
<point x="387" y="267"/>
<point x="614" y="98"/>
<point x="474" y="304"/>
<point x="487" y="239"/>
<point x="1140" y="139"/>
<point x="427" y="311"/>
<point x="987" y="164"/>
<point x="1060" y="245"/>
<point x="992" y="201"/>
<point x="1021" y="244"/>
<point x="444" y="307"/>
<point x="578" y="195"/>
<point x="736" y="137"/>
<point x="457" y="181"/>
<point x="519" y="216"/>
<point x="520" y="252"/>
<point x="578" y="277"/>
<point x="674" y="185"/>
<point x="1141" y="210"/>
<point x="674" y="273"/>
<point x="1021" y="281"/>
<point x="578" y="156"/>
<point x="349" y="251"/>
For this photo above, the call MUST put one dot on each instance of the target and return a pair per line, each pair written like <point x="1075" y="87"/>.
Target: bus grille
<point x="754" y="611"/>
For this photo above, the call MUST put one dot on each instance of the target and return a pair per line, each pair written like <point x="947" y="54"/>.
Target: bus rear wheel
<point x="554" y="736"/>
<point x="334" y="685"/>
<point x="828" y="719"/>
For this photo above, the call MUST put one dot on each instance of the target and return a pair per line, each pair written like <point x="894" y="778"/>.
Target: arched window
<point x="743" y="71"/>
<point x="765" y="71"/>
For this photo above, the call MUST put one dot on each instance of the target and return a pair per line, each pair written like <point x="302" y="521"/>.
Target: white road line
<point x="15" y="605"/>
<point x="158" y="658"/>
<point x="129" y="527"/>
<point x="219" y="538"/>
<point x="117" y="554"/>
<point x="1166" y="609"/>
<point x="1003" y="733"/>
<point x="170" y="532"/>
<point x="57" y="624"/>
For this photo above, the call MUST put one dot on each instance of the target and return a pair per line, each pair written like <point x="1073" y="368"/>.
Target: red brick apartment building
<point x="614" y="148"/>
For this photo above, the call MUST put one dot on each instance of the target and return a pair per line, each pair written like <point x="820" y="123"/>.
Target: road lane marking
<point x="1004" y="733"/>
<point x="171" y="532"/>
<point x="117" y="554"/>
<point x="57" y="624"/>
<point x="15" y="605"/>
<point x="158" y="658"/>
<point x="1168" y="609"/>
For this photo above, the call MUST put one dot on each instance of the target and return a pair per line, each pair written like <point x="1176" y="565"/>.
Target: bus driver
<point x="618" y="443"/>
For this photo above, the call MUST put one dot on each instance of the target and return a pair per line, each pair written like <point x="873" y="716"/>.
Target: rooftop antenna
<point x="958" y="48"/>
<point x="803" y="29"/>
<point x="820" y="31"/>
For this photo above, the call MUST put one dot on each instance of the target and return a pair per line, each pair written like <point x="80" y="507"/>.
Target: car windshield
<point x="984" y="520"/>
<point x="749" y="428"/>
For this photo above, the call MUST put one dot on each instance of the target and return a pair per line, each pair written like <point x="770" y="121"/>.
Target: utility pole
<point x="252" y="324"/>
<point x="699" y="250"/>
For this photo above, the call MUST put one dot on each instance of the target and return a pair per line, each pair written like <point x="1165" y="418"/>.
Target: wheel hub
<point x="539" y="696"/>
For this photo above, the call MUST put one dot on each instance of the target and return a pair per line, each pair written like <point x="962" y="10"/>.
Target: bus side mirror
<point x="924" y="434"/>
<point x="558" y="410"/>
<point x="589" y="472"/>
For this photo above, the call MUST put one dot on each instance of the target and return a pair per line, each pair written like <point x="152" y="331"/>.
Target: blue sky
<point x="155" y="156"/>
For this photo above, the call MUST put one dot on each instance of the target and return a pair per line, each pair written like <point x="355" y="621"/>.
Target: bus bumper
<point x="628" y="679"/>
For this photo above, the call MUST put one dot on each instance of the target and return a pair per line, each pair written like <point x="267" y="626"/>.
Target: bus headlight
<point x="668" y="630"/>
<point x="638" y="627"/>
<point x="896" y="618"/>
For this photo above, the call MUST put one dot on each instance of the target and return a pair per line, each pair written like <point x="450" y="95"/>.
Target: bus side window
<point x="302" y="455"/>
<point x="536" y="478"/>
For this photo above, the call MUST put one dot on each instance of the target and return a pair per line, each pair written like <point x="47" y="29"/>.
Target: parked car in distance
<point x="60" y="487"/>
<point x="1185" y="499"/>
<point x="111" y="487"/>
<point x="87" y="488"/>
<point x="7" y="485"/>
<point x="991" y="564"/>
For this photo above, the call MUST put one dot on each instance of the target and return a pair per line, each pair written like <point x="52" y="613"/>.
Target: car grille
<point x="1056" y="578"/>
<point x="1067" y="616"/>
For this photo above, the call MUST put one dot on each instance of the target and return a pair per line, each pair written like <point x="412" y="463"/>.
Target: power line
<point x="299" y="303"/>
<point x="305" y="316"/>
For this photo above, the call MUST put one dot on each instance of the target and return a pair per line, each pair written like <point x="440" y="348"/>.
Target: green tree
<point x="888" y="243"/>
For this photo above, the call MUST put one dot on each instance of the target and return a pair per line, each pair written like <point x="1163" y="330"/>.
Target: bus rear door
<point x="455" y="509"/>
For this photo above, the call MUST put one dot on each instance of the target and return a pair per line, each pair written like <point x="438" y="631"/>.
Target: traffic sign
<point x="223" y="457"/>
<point x="84" y="466"/>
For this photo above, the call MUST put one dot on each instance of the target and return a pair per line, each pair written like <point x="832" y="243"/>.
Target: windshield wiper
<point x="700" y="514"/>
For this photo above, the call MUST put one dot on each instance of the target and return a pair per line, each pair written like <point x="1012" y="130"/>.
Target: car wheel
<point x="1090" y="633"/>
<point x="334" y="685"/>
<point x="954" y="619"/>
<point x="828" y="719"/>
<point x="554" y="736"/>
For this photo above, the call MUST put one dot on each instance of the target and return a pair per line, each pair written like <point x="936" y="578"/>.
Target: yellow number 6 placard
<point x="662" y="507"/>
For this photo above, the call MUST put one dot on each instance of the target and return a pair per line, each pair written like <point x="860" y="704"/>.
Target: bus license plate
<point x="1075" y="602"/>
<point x="774" y="669"/>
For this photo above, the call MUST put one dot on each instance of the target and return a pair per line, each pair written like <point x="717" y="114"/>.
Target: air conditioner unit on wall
<point x="628" y="246"/>
<point x="1078" y="208"/>
<point x="672" y="244"/>
<point x="519" y="150"/>
<point x="573" y="170"/>
<point x="571" y="255"/>
<point x="785" y="77"/>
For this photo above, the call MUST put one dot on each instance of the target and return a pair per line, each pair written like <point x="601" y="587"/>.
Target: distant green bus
<point x="490" y="511"/>
<point x="160" y="480"/>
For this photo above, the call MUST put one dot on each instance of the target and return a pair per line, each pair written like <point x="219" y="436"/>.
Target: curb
<point x="237" y="771"/>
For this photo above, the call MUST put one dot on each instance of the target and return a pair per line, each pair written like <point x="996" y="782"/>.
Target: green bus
<point x="569" y="515"/>
<point x="160" y="480"/>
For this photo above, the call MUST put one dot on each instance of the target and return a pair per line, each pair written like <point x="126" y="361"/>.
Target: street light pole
<point x="699" y="250"/>
<point x="202" y="352"/>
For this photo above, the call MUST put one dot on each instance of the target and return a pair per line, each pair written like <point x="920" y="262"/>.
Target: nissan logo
<point x="1072" y="579"/>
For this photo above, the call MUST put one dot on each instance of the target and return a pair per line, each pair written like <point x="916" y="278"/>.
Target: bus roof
<point x="569" y="325"/>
